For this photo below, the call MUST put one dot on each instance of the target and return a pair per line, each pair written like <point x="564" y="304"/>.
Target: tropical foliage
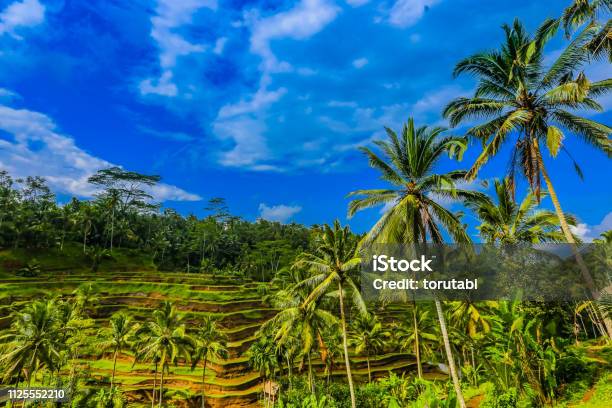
<point x="123" y="303"/>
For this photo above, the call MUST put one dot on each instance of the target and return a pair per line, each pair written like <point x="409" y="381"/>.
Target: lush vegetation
<point x="125" y="303"/>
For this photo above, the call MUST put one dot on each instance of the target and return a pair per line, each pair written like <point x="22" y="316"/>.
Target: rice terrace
<point x="305" y="204"/>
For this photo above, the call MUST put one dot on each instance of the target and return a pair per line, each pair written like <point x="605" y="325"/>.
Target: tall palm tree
<point x="211" y="343"/>
<point x="530" y="104"/>
<point x="507" y="222"/>
<point x="369" y="337"/>
<point x="414" y="214"/>
<point x="165" y="340"/>
<point x="31" y="342"/>
<point x="588" y="11"/>
<point x="332" y="262"/>
<point x="117" y="337"/>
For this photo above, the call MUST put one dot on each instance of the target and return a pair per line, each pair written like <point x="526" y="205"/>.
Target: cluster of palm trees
<point x="49" y="335"/>
<point x="518" y="101"/>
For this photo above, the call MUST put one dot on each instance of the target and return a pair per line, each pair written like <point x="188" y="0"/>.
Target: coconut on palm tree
<point x="332" y="262"/>
<point x="211" y="343"/>
<point x="414" y="212"/>
<point x="529" y="105"/>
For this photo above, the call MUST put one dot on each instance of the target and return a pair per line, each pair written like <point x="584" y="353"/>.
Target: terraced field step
<point x="143" y="300"/>
<point x="143" y="375"/>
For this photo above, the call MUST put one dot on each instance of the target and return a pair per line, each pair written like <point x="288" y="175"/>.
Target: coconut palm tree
<point x="299" y="320"/>
<point x="508" y="222"/>
<point x="165" y="340"/>
<point x="332" y="262"/>
<point x="31" y="343"/>
<point x="588" y="11"/>
<point x="419" y="334"/>
<point x="414" y="213"/>
<point x="211" y="343"/>
<point x="330" y="350"/>
<point x="369" y="337"/>
<point x="528" y="103"/>
<point x="262" y="357"/>
<point x="117" y="337"/>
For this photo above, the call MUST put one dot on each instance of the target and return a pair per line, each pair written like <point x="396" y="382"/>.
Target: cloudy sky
<point x="260" y="102"/>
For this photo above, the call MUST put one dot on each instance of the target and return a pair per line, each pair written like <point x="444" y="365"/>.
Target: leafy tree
<point x="123" y="191"/>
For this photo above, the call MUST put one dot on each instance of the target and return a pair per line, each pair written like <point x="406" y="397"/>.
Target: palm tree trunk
<point x="449" y="355"/>
<point x="203" y="378"/>
<point x="345" y="345"/>
<point x="113" y="230"/>
<point x="417" y="346"/>
<point x="570" y="239"/>
<point x="310" y="379"/>
<point x="114" y="368"/>
<point x="289" y="370"/>
<point x="84" y="241"/>
<point x="161" y="387"/>
<point x="369" y="370"/>
<point x="154" y="385"/>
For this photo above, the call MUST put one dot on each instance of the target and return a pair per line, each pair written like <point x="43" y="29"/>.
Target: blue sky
<point x="260" y="102"/>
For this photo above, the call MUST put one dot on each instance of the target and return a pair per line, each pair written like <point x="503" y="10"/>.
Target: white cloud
<point x="589" y="232"/>
<point x="161" y="86"/>
<point x="281" y="213"/>
<point x="360" y="62"/>
<point x="244" y="124"/>
<point x="8" y="95"/>
<point x="25" y="13"/>
<point x="37" y="148"/>
<point x="170" y="16"/>
<point x="433" y="102"/>
<point x="249" y="144"/>
<point x="342" y="104"/>
<point x="357" y="3"/>
<point x="302" y="21"/>
<point x="405" y="13"/>
<point x="220" y="45"/>
<point x="260" y="100"/>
